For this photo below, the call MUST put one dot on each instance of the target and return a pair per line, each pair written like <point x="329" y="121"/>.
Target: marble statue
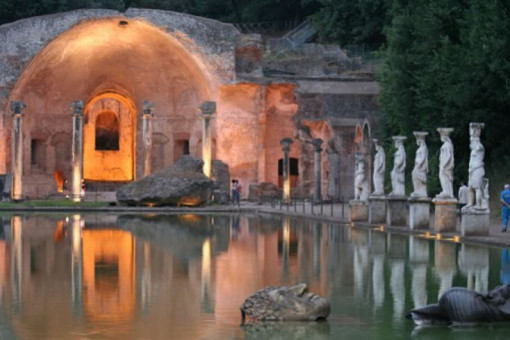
<point x="360" y="179"/>
<point x="379" y="169"/>
<point x="285" y="304"/>
<point x="462" y="306"/>
<point x="476" y="168"/>
<point x="399" y="168"/>
<point x="421" y="166"/>
<point x="446" y="163"/>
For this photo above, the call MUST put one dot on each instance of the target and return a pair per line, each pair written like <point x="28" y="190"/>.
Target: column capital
<point x="17" y="107"/>
<point x="77" y="107"/>
<point x="208" y="109"/>
<point x="147" y="107"/>
<point x="317" y="142"/>
<point x="285" y="143"/>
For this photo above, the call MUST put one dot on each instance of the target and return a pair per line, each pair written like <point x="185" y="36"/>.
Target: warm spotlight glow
<point x="439" y="236"/>
<point x="456" y="239"/>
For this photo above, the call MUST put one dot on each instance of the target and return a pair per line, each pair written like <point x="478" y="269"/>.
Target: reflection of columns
<point x="147" y="116"/>
<point x="17" y="260"/>
<point x="17" y="150"/>
<point x="146" y="276"/>
<point x="317" y="249"/>
<point x="445" y="264"/>
<point x="77" y="264"/>
<point x="208" y="109"/>
<point x="206" y="268"/>
<point x="77" y="149"/>
<point x="359" y="240"/>
<point x="285" y="143"/>
<point x="418" y="260"/>
<point x="474" y="263"/>
<point x="285" y="248"/>
<point x="397" y="254"/>
<point x="317" y="142"/>
<point x="377" y="245"/>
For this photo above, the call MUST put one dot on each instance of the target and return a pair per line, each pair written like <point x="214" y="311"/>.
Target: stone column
<point x="377" y="200"/>
<point x="445" y="216"/>
<point x="285" y="143"/>
<point x="77" y="150"/>
<point x="208" y="110"/>
<point x="147" y="116"/>
<point x="17" y="150"/>
<point x="419" y="202"/>
<point x="397" y="200"/>
<point x="317" y="142"/>
<point x="475" y="215"/>
<point x="359" y="205"/>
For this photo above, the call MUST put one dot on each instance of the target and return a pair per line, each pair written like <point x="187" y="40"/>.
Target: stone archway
<point x="109" y="138"/>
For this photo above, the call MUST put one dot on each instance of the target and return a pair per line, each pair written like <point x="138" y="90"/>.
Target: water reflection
<point x="185" y="276"/>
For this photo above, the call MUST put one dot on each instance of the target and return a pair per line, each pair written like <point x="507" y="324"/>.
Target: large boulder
<point x="184" y="183"/>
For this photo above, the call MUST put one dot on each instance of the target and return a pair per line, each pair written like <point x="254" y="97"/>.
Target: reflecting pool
<point x="185" y="276"/>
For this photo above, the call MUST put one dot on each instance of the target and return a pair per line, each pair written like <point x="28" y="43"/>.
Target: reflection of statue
<point x="476" y="167"/>
<point x="285" y="304"/>
<point x="446" y="163"/>
<point x="379" y="169"/>
<point x="399" y="168"/>
<point x="421" y="166"/>
<point x="462" y="305"/>
<point x="360" y="179"/>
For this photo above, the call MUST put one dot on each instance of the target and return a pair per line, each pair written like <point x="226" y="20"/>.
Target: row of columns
<point x="208" y="109"/>
<point x="396" y="209"/>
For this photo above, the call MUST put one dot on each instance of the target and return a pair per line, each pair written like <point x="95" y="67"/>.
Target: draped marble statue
<point x="360" y="179"/>
<point x="476" y="182"/>
<point x="399" y="167"/>
<point x="421" y="166"/>
<point x="379" y="169"/>
<point x="446" y="164"/>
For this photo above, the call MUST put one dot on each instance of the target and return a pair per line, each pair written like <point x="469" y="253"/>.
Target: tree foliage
<point x="448" y="64"/>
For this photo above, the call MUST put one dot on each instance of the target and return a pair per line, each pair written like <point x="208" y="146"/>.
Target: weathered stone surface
<point x="263" y="192"/>
<point x="221" y="176"/>
<point x="285" y="304"/>
<point x="181" y="184"/>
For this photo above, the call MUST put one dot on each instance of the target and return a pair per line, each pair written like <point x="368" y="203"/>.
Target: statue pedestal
<point x="474" y="222"/>
<point x="359" y="211"/>
<point x="377" y="209"/>
<point x="445" y="216"/>
<point x="419" y="213"/>
<point x="397" y="211"/>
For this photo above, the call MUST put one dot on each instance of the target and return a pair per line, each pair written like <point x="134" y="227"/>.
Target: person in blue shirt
<point x="505" y="212"/>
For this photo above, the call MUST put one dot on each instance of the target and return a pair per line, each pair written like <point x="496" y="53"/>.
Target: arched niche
<point x="108" y="138"/>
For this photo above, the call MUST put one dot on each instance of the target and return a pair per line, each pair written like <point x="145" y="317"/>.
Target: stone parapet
<point x="377" y="209"/>
<point x="397" y="211"/>
<point x="419" y="213"/>
<point x="445" y="216"/>
<point x="359" y="211"/>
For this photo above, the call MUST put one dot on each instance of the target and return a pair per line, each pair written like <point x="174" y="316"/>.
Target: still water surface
<point x="185" y="276"/>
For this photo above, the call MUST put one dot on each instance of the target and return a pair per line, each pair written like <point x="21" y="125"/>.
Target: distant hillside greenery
<point x="446" y="62"/>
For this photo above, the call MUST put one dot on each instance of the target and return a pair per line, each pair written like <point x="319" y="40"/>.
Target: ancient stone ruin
<point x="143" y="76"/>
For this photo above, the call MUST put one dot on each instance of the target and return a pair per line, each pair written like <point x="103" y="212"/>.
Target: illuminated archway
<point x="108" y="138"/>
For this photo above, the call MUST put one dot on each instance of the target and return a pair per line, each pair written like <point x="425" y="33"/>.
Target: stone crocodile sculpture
<point x="461" y="306"/>
<point x="293" y="303"/>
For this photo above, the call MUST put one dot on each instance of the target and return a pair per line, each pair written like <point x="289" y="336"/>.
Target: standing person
<point x="235" y="192"/>
<point x="463" y="195"/>
<point x="505" y="211"/>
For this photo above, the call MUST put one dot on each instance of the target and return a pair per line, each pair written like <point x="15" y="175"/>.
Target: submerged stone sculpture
<point x="462" y="306"/>
<point x="285" y="304"/>
<point x="184" y="183"/>
<point x="379" y="168"/>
